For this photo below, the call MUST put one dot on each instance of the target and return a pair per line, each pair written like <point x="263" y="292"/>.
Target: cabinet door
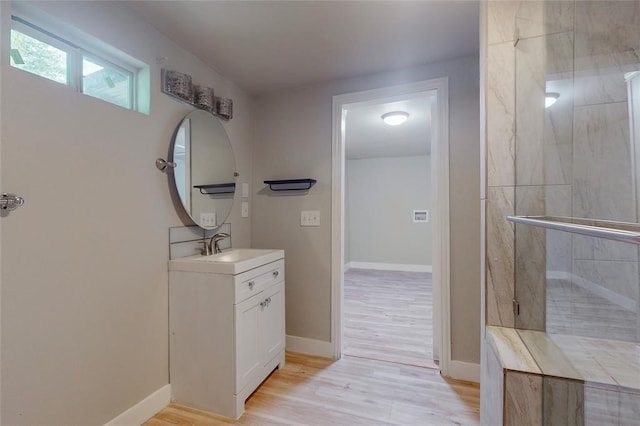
<point x="272" y="331"/>
<point x="248" y="352"/>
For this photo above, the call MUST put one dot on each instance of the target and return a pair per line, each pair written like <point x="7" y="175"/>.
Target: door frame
<point x="440" y="196"/>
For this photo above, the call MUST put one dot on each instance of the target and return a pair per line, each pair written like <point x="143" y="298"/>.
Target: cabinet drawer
<point x="253" y="282"/>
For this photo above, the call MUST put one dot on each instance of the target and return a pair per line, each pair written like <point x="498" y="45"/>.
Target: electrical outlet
<point x="310" y="218"/>
<point x="245" y="209"/>
<point x="208" y="220"/>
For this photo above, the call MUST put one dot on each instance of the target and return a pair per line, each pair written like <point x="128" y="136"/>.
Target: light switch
<point x="245" y="190"/>
<point x="245" y="209"/>
<point x="310" y="218"/>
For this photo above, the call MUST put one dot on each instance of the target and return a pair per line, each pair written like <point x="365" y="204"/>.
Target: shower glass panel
<point x="577" y="296"/>
<point x="576" y="158"/>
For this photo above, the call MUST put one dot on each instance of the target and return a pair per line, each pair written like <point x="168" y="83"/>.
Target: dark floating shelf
<point x="219" y="188"/>
<point x="290" y="184"/>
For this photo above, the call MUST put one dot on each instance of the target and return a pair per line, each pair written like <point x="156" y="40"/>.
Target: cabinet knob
<point x="263" y="304"/>
<point x="251" y="285"/>
<point x="275" y="274"/>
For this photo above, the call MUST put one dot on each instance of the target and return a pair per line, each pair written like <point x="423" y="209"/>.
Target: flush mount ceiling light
<point x="550" y="98"/>
<point x="395" y="118"/>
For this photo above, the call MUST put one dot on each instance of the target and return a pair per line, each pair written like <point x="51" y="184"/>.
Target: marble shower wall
<point x="500" y="111"/>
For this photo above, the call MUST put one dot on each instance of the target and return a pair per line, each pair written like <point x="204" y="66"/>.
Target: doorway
<point x="433" y="95"/>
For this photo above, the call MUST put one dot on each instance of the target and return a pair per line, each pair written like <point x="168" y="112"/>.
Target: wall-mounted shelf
<point x="618" y="231"/>
<point x="290" y="184"/>
<point x="219" y="188"/>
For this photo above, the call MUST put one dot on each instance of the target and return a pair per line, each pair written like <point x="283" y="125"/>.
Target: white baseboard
<point x="145" y="409"/>
<point x="309" y="346"/>
<point x="388" y="267"/>
<point x="595" y="288"/>
<point x="466" y="371"/>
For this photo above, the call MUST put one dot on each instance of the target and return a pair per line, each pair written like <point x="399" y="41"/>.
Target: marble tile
<point x="607" y="46"/>
<point x="558" y="254"/>
<point x="536" y="18"/>
<point x="500" y="256"/>
<point x="500" y="113"/>
<point x="558" y="200"/>
<point x="511" y="350"/>
<point x="530" y="114"/>
<point x="491" y="387"/>
<point x="558" y="134"/>
<point x="603" y="178"/>
<point x="523" y="399"/>
<point x="563" y="401"/>
<point x="600" y="406"/>
<point x="629" y="408"/>
<point x="600" y="86"/>
<point x="543" y="135"/>
<point x="483" y="265"/>
<point x="558" y="55"/>
<point x="574" y="309"/>
<point x="550" y="358"/>
<point x="589" y="368"/>
<point x="558" y="244"/>
<point x="602" y="362"/>
<point x="621" y="360"/>
<point x="620" y="278"/>
<point x="606" y="34"/>
<point x="501" y="19"/>
<point x="590" y="248"/>
<point x="558" y="309"/>
<point x="530" y="260"/>
<point x="634" y="117"/>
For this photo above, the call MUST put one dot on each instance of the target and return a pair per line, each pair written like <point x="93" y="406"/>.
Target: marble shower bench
<point x="535" y="378"/>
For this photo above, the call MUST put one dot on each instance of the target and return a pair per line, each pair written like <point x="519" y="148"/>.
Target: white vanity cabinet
<point x="227" y="333"/>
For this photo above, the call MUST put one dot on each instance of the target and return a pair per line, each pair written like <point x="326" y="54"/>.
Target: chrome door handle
<point x="10" y="201"/>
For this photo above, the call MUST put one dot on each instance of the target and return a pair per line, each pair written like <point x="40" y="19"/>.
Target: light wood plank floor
<point x="388" y="316"/>
<point x="351" y="391"/>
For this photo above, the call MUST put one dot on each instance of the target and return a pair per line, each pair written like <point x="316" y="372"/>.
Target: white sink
<point x="231" y="261"/>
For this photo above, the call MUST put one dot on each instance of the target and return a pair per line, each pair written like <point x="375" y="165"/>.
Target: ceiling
<point x="266" y="46"/>
<point x="367" y="136"/>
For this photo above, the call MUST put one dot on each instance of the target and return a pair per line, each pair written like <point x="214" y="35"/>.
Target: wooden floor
<point x="351" y="391"/>
<point x="388" y="316"/>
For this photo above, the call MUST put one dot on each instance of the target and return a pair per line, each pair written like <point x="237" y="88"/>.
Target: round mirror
<point x="204" y="172"/>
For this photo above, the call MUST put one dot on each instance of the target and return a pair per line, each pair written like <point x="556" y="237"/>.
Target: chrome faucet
<point x="213" y="243"/>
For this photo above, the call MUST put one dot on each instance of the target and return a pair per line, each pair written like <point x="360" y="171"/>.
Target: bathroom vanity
<point x="226" y="325"/>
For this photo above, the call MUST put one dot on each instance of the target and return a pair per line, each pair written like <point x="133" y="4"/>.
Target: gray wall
<point x="382" y="194"/>
<point x="293" y="139"/>
<point x="84" y="262"/>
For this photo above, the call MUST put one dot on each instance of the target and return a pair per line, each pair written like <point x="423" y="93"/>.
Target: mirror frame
<point x="229" y="197"/>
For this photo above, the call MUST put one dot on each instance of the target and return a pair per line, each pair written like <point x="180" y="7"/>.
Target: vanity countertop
<point x="232" y="261"/>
